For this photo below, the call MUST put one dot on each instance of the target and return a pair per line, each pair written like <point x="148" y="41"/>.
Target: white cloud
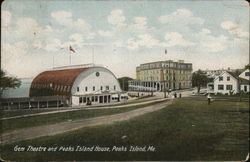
<point x="5" y="18"/>
<point x="117" y="18"/>
<point x="65" y="18"/>
<point x="12" y="54"/>
<point x="215" y="44"/>
<point x="62" y="17"/>
<point x="118" y="44"/>
<point x="234" y="29"/>
<point x="77" y="39"/>
<point x="205" y="31"/>
<point x="38" y="44"/>
<point x="140" y="23"/>
<point x="81" y="24"/>
<point x="54" y="45"/>
<point x="176" y="39"/>
<point x="183" y="16"/>
<point x="105" y="33"/>
<point x="28" y="28"/>
<point x="209" y="43"/>
<point x="145" y="40"/>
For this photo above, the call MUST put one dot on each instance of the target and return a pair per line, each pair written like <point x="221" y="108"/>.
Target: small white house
<point x="226" y="82"/>
<point x="244" y="81"/>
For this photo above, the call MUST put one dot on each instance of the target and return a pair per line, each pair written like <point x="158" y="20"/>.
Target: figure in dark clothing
<point x="175" y="95"/>
<point x="208" y="99"/>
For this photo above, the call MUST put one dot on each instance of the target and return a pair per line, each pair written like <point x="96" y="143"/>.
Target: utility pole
<point x="169" y="75"/>
<point x="151" y="86"/>
<point x="93" y="55"/>
<point x="123" y="84"/>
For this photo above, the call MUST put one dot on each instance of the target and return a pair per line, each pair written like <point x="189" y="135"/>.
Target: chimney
<point x="180" y="61"/>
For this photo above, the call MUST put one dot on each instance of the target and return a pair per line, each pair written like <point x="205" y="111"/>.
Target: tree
<point x="247" y="66"/>
<point x="124" y="83"/>
<point x="8" y="82"/>
<point x="199" y="79"/>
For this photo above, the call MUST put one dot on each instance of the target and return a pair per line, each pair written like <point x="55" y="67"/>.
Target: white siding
<point x="243" y="74"/>
<point x="242" y="88"/>
<point x="89" y="79"/>
<point x="225" y="82"/>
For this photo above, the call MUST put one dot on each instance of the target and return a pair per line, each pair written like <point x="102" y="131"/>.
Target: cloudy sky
<point x="122" y="34"/>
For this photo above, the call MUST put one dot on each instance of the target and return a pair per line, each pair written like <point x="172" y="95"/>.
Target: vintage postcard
<point x="132" y="80"/>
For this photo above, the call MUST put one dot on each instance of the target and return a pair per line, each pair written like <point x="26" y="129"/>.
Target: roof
<point x="244" y="81"/>
<point x="235" y="75"/>
<point x="230" y="73"/>
<point x="54" y="82"/>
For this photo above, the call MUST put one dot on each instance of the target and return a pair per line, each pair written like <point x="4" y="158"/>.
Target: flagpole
<point x="69" y="57"/>
<point x="53" y="62"/>
<point x="92" y="55"/>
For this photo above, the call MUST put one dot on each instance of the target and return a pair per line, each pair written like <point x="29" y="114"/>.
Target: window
<point x="220" y="78"/>
<point x="229" y="87"/>
<point x="92" y="98"/>
<point x="96" y="98"/>
<point x="228" y="78"/>
<point x="114" y="87"/>
<point x="107" y="87"/>
<point x="80" y="100"/>
<point x="61" y="88"/>
<point x="93" y="88"/>
<point x="220" y="87"/>
<point x="247" y="73"/>
<point x="245" y="88"/>
<point x="101" y="88"/>
<point x="77" y="89"/>
<point x="84" y="99"/>
<point x="86" y="89"/>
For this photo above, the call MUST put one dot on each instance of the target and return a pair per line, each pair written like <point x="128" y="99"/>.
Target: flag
<point x="166" y="51"/>
<point x="71" y="49"/>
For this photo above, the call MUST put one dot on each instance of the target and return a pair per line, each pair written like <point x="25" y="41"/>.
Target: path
<point x="53" y="129"/>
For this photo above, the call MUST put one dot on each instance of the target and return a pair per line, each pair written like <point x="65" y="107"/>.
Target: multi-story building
<point x="162" y="75"/>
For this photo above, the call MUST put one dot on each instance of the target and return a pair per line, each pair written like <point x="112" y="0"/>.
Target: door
<point x="100" y="99"/>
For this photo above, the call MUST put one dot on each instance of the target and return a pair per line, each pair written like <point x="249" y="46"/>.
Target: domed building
<point x="69" y="85"/>
<point x="80" y="85"/>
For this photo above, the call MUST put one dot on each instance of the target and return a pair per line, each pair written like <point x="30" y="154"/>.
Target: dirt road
<point x="53" y="129"/>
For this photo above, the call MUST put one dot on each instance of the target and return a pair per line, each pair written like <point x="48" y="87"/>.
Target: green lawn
<point x="11" y="124"/>
<point x="186" y="130"/>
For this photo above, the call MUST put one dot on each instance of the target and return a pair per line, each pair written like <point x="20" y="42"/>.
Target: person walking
<point x="209" y="99"/>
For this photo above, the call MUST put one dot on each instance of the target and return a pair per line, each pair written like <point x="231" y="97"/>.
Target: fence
<point x="33" y="102"/>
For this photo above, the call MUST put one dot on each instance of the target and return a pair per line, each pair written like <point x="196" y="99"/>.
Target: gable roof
<point x="233" y="74"/>
<point x="243" y="81"/>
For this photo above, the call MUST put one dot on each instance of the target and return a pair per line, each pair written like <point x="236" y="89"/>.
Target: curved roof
<point x="55" y="82"/>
